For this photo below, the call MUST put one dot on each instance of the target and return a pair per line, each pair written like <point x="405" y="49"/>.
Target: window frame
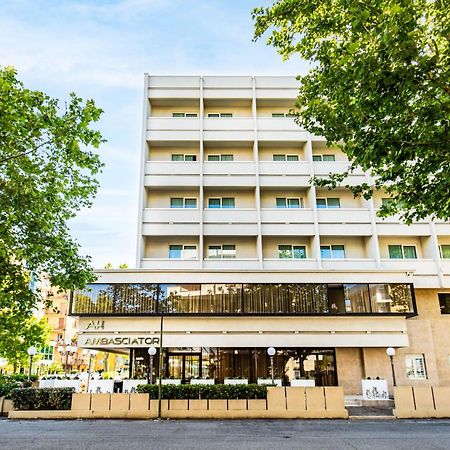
<point x="183" y="199"/>
<point x="184" y="248"/>
<point x="402" y="247"/>
<point x="332" y="255"/>
<point x="326" y="200"/>
<point x="292" y="248"/>
<point x="444" y="302"/>
<point x="221" y="199"/>
<point x="441" y="253"/>
<point x="220" y="157"/>
<point x="183" y="155"/>
<point x="286" y="202"/>
<point x="220" y="251"/>
<point x="411" y="362"/>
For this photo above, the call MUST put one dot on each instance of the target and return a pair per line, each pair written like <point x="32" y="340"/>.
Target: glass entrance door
<point x="184" y="366"/>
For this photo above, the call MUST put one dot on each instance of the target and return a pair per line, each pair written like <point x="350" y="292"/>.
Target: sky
<point x="101" y="49"/>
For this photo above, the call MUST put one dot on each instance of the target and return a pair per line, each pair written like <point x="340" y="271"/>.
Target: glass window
<point x="317" y="157"/>
<point x="410" y="252"/>
<point x="329" y="158"/>
<point x="214" y="203"/>
<point x="175" y="251"/>
<point x="176" y="202"/>
<point x="189" y="252"/>
<point x="214" y="251"/>
<point x="226" y="157"/>
<point x="279" y="157"/>
<point x="391" y="298"/>
<point x="190" y="203"/>
<point x="415" y="367"/>
<point x="321" y="202"/>
<point x="333" y="203"/>
<point x="190" y="157"/>
<point x="445" y="251"/>
<point x="395" y="251"/>
<point x="444" y="303"/>
<point x="281" y="202"/>
<point x="356" y="298"/>
<point x="177" y="157"/>
<point x="293" y="203"/>
<point x="178" y="114"/>
<point x="191" y="115"/>
<point x="332" y="252"/>
<point x="277" y="114"/>
<point x="325" y="252"/>
<point x="228" y="202"/>
<point x="285" y="251"/>
<point x="226" y="114"/>
<point x="291" y="157"/>
<point x="213" y="114"/>
<point x="299" y="251"/>
<point x="228" y="251"/>
<point x="213" y="157"/>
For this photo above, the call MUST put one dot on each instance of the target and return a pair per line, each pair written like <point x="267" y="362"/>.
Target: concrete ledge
<point x="421" y="414"/>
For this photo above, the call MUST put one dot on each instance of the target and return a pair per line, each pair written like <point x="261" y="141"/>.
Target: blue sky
<point x="100" y="49"/>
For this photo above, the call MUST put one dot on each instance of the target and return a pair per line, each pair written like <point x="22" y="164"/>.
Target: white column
<point x="201" y="196"/>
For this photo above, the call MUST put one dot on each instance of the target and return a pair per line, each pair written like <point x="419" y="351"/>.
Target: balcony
<point x="173" y="128"/>
<point x="287" y="215"/>
<point x="228" y="129"/>
<point x="237" y="263"/>
<point x="349" y="264"/>
<point x="172" y="167"/>
<point x="280" y="128"/>
<point x="445" y="264"/>
<point x="166" y="263"/>
<point x="393" y="226"/>
<point x="229" y="215"/>
<point x="229" y="167"/>
<point x="284" y="173"/>
<point x="336" y="221"/>
<point x="290" y="264"/>
<point x="165" y="215"/>
<point x="418" y="266"/>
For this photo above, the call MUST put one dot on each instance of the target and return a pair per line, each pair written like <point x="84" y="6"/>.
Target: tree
<point x="47" y="173"/>
<point x="379" y="89"/>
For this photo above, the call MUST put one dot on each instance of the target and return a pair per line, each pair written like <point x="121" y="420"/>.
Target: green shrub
<point x="21" y="377"/>
<point x="8" y="383"/>
<point x="42" y="399"/>
<point x="205" y="391"/>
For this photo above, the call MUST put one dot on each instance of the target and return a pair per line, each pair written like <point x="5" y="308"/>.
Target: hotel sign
<point x="114" y="341"/>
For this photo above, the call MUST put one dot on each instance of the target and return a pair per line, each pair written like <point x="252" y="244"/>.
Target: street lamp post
<point x="271" y="352"/>
<point x="66" y="349"/>
<point x="391" y="352"/>
<point x="31" y="351"/>
<point x="151" y="353"/>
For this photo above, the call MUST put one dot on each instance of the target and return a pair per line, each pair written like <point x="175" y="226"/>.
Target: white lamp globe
<point x="271" y="351"/>
<point x="32" y="351"/>
<point x="152" y="351"/>
<point x="390" y="351"/>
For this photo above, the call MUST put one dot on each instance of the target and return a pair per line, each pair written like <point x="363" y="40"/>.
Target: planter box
<point x="129" y="386"/>
<point x="202" y="381"/>
<point x="309" y="383"/>
<point x="235" y="381"/>
<point x="170" y="381"/>
<point x="277" y="381"/>
<point x="101" y="386"/>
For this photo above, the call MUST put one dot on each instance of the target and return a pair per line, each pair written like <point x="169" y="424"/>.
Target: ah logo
<point x="96" y="325"/>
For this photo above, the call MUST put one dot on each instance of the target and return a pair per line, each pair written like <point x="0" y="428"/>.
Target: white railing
<point x="284" y="168"/>
<point x="290" y="264"/>
<point x="172" y="168"/>
<point x="418" y="266"/>
<point x="167" y="215"/>
<point x="343" y="215"/>
<point x="229" y="167"/>
<point x="287" y="215"/>
<point x="229" y="215"/>
<point x="349" y="264"/>
<point x="173" y="123"/>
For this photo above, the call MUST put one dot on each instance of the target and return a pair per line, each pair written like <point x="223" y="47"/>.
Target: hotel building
<point x="238" y="252"/>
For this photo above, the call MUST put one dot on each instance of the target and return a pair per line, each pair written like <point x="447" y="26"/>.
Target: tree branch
<point x="18" y="155"/>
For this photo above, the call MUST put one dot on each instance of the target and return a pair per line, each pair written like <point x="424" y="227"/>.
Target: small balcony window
<point x="279" y="115"/>
<point x="182" y="114"/>
<point x="289" y="202"/>
<point x="220" y="115"/>
<point x="285" y="157"/>
<point x="179" y="202"/>
<point x="402" y="251"/>
<point x="444" y="303"/>
<point x="179" y="251"/>
<point x="332" y="252"/>
<point x="415" y="367"/>
<point x="444" y="250"/>
<point x="328" y="203"/>
<point x="291" y="252"/>
<point x="180" y="157"/>
<point x="224" y="202"/>
<point x="220" y="157"/>
<point x="225" y="251"/>
<point x="324" y="158"/>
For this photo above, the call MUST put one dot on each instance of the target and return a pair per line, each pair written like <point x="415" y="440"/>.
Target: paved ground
<point x="252" y="434"/>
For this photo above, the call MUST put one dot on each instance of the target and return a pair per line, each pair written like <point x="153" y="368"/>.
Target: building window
<point x="444" y="250"/>
<point x="415" y="367"/>
<point x="224" y="202"/>
<point x="332" y="252"/>
<point x="179" y="157"/>
<point x="289" y="202"/>
<point x="278" y="115"/>
<point x="182" y="251"/>
<point x="444" y="303"/>
<point x="328" y="203"/>
<point x="285" y="157"/>
<point x="324" y="158"/>
<point x="225" y="251"/>
<point x="220" y="114"/>
<point x="220" y="157"/>
<point x="291" y="252"/>
<point x="402" y="252"/>
<point x="179" y="202"/>
<point x="46" y="352"/>
<point x="182" y="114"/>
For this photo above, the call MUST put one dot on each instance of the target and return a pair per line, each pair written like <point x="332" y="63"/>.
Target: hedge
<point x="205" y="391"/>
<point x="42" y="399"/>
<point x="8" y="383"/>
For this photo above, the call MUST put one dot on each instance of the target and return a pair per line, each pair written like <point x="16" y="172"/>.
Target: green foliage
<point x="47" y="174"/>
<point x="42" y="399"/>
<point x="8" y="383"/>
<point x="379" y="88"/>
<point x="205" y="391"/>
